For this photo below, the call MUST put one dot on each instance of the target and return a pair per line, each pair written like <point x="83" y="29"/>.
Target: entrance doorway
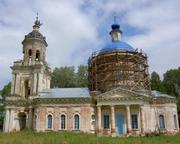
<point x="120" y="125"/>
<point x="22" y="120"/>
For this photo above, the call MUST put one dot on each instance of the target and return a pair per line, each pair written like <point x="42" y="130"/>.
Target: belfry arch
<point x="37" y="55"/>
<point x="27" y="88"/>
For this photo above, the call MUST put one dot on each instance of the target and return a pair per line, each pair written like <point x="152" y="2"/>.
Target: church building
<point x="118" y="100"/>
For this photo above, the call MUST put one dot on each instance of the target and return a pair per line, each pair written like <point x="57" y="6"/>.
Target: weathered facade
<point x="118" y="101"/>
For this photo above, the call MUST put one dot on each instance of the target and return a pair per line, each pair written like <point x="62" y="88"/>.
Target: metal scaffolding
<point x="118" y="68"/>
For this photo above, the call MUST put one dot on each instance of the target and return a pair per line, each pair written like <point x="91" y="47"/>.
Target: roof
<point x="116" y="45"/>
<point x="65" y="93"/>
<point x="158" y="94"/>
<point x="35" y="35"/>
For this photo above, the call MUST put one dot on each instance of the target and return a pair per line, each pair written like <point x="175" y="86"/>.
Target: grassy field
<point x="28" y="137"/>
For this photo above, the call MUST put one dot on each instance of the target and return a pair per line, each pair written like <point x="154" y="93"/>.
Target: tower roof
<point x="116" y="44"/>
<point x="35" y="34"/>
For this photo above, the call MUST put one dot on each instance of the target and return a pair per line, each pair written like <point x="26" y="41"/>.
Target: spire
<point x="115" y="32"/>
<point x="37" y="23"/>
<point x="114" y="19"/>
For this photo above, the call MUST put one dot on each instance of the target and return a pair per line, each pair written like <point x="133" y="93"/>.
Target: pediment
<point x="122" y="93"/>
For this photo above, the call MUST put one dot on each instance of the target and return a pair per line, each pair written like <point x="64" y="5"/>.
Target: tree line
<point x="66" y="77"/>
<point x="170" y="83"/>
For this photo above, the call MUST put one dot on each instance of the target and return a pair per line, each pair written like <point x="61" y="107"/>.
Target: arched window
<point x="76" y="122"/>
<point x="30" y="56"/>
<point x="161" y="122"/>
<point x="63" y="122"/>
<point x="49" y="119"/>
<point x="175" y="121"/>
<point x="30" y="52"/>
<point x="37" y="55"/>
<point x="93" y="117"/>
<point x="27" y="89"/>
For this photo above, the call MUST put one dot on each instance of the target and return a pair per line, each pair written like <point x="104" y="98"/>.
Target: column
<point x="142" y="119"/>
<point x="112" y="119"/>
<point x="17" y="124"/>
<point x="30" y="118"/>
<point x="41" y="55"/>
<point x="11" y="120"/>
<point x="6" y="121"/>
<point x="33" y="57"/>
<point x="25" y="56"/>
<point x="34" y="83"/>
<point x="13" y="83"/>
<point x="17" y="84"/>
<point x="99" y="119"/>
<point x="128" y="119"/>
<point x="40" y="77"/>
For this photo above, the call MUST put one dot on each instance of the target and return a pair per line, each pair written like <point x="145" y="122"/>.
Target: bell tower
<point x="34" y="45"/>
<point x="32" y="74"/>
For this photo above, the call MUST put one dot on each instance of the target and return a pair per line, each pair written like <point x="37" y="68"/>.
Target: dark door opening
<point x="22" y="120"/>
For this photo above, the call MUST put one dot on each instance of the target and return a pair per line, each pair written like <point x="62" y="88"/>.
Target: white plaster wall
<point x="152" y="112"/>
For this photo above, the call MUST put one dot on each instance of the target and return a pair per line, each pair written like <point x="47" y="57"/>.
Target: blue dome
<point x="116" y="45"/>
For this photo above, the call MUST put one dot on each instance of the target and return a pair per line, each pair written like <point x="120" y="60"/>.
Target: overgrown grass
<point x="29" y="137"/>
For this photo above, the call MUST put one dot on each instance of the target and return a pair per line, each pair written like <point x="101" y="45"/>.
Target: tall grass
<point x="29" y="137"/>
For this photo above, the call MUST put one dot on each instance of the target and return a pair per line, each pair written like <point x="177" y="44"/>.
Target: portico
<point x="120" y="112"/>
<point x="119" y="119"/>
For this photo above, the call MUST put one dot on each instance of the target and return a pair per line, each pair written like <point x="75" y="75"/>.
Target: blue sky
<point x="76" y="28"/>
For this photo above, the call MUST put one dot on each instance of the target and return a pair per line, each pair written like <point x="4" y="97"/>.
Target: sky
<point x="76" y="28"/>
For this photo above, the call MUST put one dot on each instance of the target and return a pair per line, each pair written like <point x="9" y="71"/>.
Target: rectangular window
<point x="175" y="121"/>
<point x="134" y="121"/>
<point x="106" y="121"/>
<point x="161" y="122"/>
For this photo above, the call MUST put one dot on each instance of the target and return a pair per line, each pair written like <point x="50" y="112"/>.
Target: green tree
<point x="156" y="83"/>
<point x="171" y="82"/>
<point x="6" y="90"/>
<point x="1" y="115"/>
<point x="63" y="77"/>
<point x="81" y="76"/>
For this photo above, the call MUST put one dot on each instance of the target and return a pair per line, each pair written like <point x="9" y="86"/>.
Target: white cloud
<point x="76" y="28"/>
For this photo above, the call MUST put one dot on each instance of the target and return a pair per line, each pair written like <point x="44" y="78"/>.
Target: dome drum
<point x="127" y="69"/>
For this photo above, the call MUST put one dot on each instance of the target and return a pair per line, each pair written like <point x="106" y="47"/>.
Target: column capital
<point x="112" y="106"/>
<point x="128" y="107"/>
